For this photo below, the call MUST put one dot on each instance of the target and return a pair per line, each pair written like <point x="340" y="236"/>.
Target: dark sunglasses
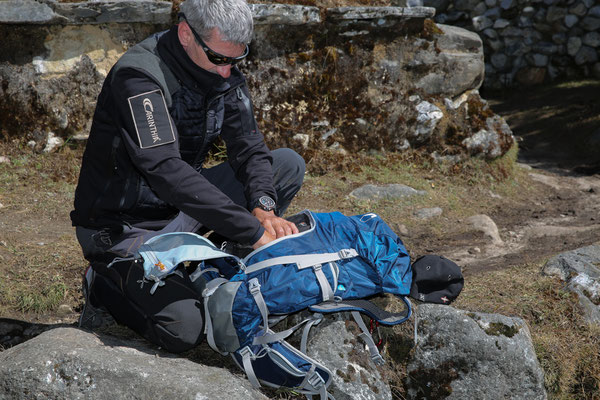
<point x="213" y="56"/>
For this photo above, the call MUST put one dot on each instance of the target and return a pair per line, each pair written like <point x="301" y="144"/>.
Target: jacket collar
<point x="191" y="75"/>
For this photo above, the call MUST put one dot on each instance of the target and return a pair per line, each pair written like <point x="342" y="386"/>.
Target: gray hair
<point x="232" y="18"/>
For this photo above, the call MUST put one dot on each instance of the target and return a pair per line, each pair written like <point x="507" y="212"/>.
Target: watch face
<point x="267" y="203"/>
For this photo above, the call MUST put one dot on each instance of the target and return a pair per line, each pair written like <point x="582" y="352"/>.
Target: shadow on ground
<point x="557" y="126"/>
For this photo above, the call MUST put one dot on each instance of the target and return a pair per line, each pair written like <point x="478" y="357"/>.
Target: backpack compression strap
<point x="366" y="307"/>
<point x="314" y="261"/>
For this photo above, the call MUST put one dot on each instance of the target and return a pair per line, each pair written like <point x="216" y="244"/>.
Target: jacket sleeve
<point x="155" y="153"/>
<point x="247" y="152"/>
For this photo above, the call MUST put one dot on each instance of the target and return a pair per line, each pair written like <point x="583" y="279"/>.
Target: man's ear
<point x="184" y="34"/>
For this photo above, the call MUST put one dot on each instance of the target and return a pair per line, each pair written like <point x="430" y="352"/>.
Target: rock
<point x="591" y="39"/>
<point x="487" y="226"/>
<point x="573" y="45"/>
<point x="284" y="14"/>
<point x="489" y="143"/>
<point x="555" y="14"/>
<point x="27" y="11"/>
<point x="303" y="138"/>
<point x="71" y="363"/>
<point x="427" y="213"/>
<point x="594" y="11"/>
<point x="401" y="230"/>
<point x="459" y="63"/>
<point x="4" y="160"/>
<point x="354" y="374"/>
<point x="465" y="355"/>
<point x="590" y="23"/>
<point x="528" y="11"/>
<point x="545" y="48"/>
<point x="393" y="191"/>
<point x="578" y="9"/>
<point x="538" y="60"/>
<point x="500" y="61"/>
<point x="64" y="310"/>
<point x="501" y="24"/>
<point x="586" y="55"/>
<point x="579" y="269"/>
<point x="482" y="22"/>
<point x="465" y="5"/>
<point x="507" y="4"/>
<point x="428" y="117"/>
<point x="34" y="12"/>
<point x="571" y="20"/>
<point x="52" y="142"/>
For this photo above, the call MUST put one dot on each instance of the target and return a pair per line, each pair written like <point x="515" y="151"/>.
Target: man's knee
<point x="289" y="168"/>
<point x="179" y="326"/>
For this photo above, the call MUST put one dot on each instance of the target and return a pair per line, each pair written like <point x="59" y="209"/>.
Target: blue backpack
<point x="333" y="265"/>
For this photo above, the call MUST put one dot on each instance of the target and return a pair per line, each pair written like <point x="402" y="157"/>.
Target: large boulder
<point x="457" y="65"/>
<point x="335" y="344"/>
<point x="581" y="272"/>
<point x="68" y="363"/>
<point x="466" y="355"/>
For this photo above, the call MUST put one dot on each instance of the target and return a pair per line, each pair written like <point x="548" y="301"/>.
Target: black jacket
<point x="156" y="118"/>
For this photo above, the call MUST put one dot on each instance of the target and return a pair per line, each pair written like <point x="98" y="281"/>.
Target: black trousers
<point x="172" y="317"/>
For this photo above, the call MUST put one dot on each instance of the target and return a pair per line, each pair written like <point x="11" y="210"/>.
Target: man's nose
<point x="224" y="70"/>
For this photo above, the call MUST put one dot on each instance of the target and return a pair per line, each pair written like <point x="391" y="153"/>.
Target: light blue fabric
<point x="163" y="253"/>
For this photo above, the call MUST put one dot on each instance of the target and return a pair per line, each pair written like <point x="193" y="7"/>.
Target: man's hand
<point x="275" y="227"/>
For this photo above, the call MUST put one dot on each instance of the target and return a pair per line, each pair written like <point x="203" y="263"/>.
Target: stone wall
<point x="341" y="80"/>
<point x="530" y="41"/>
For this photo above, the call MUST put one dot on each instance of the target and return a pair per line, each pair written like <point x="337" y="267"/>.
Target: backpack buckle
<point x="347" y="253"/>
<point x="377" y="359"/>
<point x="246" y="352"/>
<point x="253" y="286"/>
<point x="316" y="380"/>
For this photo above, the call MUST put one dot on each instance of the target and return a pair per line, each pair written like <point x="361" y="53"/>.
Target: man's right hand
<point x="264" y="239"/>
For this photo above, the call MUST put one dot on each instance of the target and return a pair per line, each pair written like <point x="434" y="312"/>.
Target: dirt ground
<point x="549" y="208"/>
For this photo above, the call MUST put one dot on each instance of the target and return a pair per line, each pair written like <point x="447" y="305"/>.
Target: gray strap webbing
<point x="309" y="374"/>
<point x="303" y="260"/>
<point x="247" y="356"/>
<point x="323" y="283"/>
<point x="363" y="305"/>
<point x="254" y="288"/>
<point x="416" y="326"/>
<point x="315" y="320"/>
<point x="199" y="272"/>
<point x="272" y="337"/>
<point x="368" y="339"/>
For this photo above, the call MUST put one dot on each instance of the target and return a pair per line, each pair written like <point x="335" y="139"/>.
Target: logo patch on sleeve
<point x="151" y="119"/>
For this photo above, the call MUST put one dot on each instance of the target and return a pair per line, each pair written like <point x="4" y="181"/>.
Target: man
<point x="160" y="109"/>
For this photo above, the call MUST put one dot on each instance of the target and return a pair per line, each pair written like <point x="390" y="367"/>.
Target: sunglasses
<point x="213" y="56"/>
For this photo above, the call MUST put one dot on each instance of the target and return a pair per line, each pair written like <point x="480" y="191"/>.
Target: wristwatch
<point x="264" y="202"/>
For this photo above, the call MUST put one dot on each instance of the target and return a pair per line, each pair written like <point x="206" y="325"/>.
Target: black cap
<point x="436" y="280"/>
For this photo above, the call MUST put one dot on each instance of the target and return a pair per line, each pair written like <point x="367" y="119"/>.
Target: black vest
<point x="198" y="118"/>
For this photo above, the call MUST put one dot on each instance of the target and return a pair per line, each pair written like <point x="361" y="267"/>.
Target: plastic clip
<point x="316" y="380"/>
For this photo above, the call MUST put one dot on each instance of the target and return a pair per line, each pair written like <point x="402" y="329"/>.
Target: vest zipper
<point x="206" y="132"/>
